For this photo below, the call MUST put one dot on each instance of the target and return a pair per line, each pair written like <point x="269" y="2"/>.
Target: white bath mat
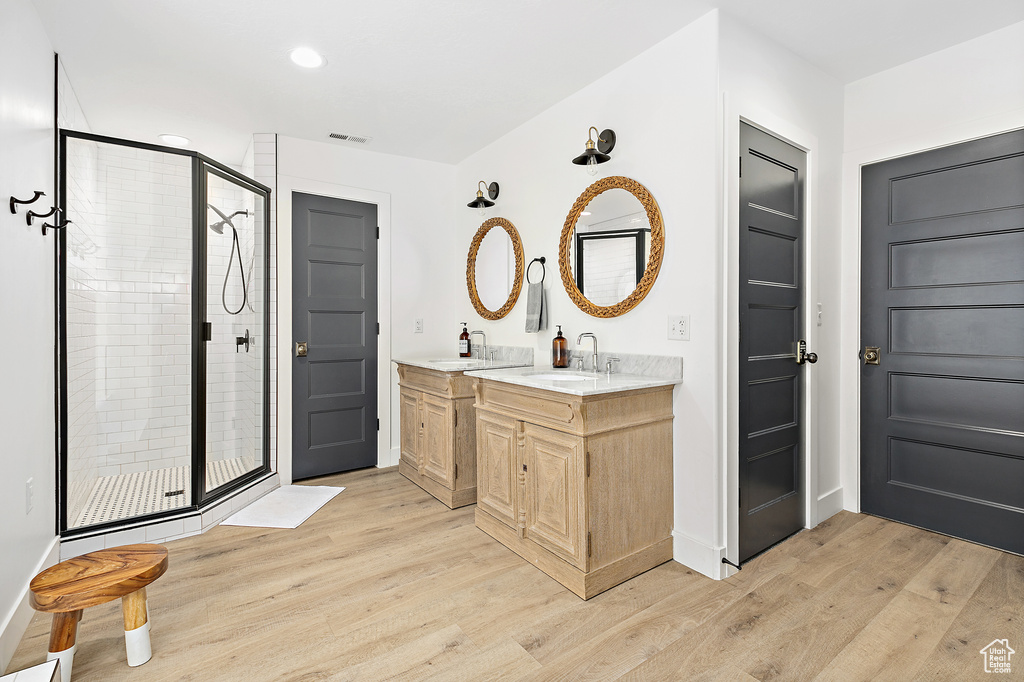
<point x="284" y="507"/>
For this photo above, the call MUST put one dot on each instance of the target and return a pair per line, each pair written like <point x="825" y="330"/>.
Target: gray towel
<point x="536" y="316"/>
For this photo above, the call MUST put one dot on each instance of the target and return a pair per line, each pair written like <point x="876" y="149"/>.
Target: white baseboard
<point x="830" y="504"/>
<point x="20" y="615"/>
<point x="702" y="558"/>
<point x="395" y="455"/>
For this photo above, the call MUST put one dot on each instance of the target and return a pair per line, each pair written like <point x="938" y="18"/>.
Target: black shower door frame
<point x="200" y="166"/>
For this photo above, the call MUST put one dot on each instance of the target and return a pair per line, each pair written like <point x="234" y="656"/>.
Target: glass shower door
<point x="236" y="323"/>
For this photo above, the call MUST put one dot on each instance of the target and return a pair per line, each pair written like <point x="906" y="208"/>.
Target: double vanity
<point x="570" y="470"/>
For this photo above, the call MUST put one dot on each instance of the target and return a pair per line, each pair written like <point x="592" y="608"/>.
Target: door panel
<point x="496" y="444"/>
<point x="335" y="313"/>
<point x="942" y="415"/>
<point x="771" y="323"/>
<point x="411" y="423"/>
<point x="555" y="501"/>
<point x="438" y="439"/>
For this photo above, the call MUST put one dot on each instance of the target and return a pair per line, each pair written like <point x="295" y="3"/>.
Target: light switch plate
<point x="679" y="327"/>
<point x="417" y="327"/>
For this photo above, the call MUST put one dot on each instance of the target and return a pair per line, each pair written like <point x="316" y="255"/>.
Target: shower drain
<point x="173" y="493"/>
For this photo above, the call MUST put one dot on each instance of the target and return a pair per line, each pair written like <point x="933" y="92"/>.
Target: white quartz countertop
<point x="457" y="364"/>
<point x="572" y="382"/>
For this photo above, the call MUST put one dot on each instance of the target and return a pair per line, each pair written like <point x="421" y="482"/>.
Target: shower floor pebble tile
<point x="144" y="492"/>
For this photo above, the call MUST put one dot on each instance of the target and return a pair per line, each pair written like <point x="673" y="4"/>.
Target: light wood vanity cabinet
<point x="581" y="486"/>
<point x="438" y="433"/>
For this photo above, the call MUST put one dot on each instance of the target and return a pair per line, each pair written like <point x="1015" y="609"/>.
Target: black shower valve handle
<point x="243" y="341"/>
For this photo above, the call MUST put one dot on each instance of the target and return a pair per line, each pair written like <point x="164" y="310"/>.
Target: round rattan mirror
<point x="494" y="273"/>
<point x="611" y="247"/>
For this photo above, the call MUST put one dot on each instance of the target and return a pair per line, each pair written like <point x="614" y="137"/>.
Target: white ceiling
<point x="434" y="80"/>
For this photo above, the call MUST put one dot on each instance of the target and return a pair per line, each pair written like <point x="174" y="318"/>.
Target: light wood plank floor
<point x="386" y="583"/>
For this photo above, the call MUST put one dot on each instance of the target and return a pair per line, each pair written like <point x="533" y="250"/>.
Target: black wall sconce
<point x="483" y="204"/>
<point x="591" y="156"/>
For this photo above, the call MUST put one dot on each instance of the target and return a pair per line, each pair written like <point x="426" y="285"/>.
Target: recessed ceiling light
<point x="175" y="140"/>
<point x="307" y="57"/>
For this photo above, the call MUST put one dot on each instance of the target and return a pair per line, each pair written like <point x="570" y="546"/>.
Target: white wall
<point x="675" y="110"/>
<point x="967" y="91"/>
<point x="770" y="87"/>
<point x="662" y="106"/>
<point x="420" y="265"/>
<point x="26" y="308"/>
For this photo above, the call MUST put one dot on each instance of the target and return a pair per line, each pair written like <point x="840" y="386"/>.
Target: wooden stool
<point x="96" y="578"/>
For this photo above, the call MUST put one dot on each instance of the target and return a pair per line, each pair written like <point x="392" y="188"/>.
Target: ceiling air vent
<point x="358" y="139"/>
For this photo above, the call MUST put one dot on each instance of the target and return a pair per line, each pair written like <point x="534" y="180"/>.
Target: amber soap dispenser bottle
<point x="464" y="351"/>
<point x="559" y="350"/>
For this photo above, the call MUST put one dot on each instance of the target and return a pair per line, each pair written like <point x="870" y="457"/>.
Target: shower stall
<point x="163" y="326"/>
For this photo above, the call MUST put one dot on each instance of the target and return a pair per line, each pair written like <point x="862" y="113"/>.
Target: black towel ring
<point x="543" y="270"/>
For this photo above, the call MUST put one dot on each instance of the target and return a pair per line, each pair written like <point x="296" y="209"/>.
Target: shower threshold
<point x="125" y="496"/>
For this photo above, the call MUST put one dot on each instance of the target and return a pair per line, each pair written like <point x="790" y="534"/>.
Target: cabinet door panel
<point x="496" y="462"/>
<point x="555" y="493"/>
<point x="410" y="427"/>
<point x="438" y="439"/>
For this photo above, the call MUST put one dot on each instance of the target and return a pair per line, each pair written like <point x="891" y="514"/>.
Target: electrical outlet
<point x="679" y="327"/>
<point x="28" y="497"/>
<point x="417" y="327"/>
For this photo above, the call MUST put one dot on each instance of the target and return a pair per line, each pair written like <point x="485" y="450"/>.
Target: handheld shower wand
<point x="218" y="227"/>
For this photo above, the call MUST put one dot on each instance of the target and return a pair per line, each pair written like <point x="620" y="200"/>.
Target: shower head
<point x="218" y="227"/>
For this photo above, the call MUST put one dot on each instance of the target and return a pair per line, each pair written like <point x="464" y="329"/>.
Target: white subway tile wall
<point x="129" y="271"/>
<point x="261" y="165"/>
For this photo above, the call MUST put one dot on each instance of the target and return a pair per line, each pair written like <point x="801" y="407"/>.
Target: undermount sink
<point x="554" y="376"/>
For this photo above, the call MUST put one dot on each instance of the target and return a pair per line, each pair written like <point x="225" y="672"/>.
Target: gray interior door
<point x="335" y="313"/>
<point x="942" y="413"/>
<point x="771" y="324"/>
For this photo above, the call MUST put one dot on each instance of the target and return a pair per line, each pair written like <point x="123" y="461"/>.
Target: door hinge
<point x="378" y="232"/>
<point x="378" y="329"/>
<point x="456" y="419"/>
<point x="207" y="331"/>
<point x="739" y="494"/>
<point x="590" y="545"/>
<point x="456" y="471"/>
<point x="587" y="460"/>
<point x="378" y="425"/>
<point x="741" y="166"/>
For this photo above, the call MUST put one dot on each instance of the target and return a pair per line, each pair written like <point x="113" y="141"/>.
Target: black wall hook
<point x="34" y="199"/>
<point x="55" y="227"/>
<point x="32" y="214"/>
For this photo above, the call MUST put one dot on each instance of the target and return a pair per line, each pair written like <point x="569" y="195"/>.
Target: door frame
<point x="850" y="258"/>
<point x="737" y="110"/>
<point x="287" y="184"/>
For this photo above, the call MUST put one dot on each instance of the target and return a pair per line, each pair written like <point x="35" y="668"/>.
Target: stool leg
<point x="136" y="627"/>
<point x="63" y="631"/>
